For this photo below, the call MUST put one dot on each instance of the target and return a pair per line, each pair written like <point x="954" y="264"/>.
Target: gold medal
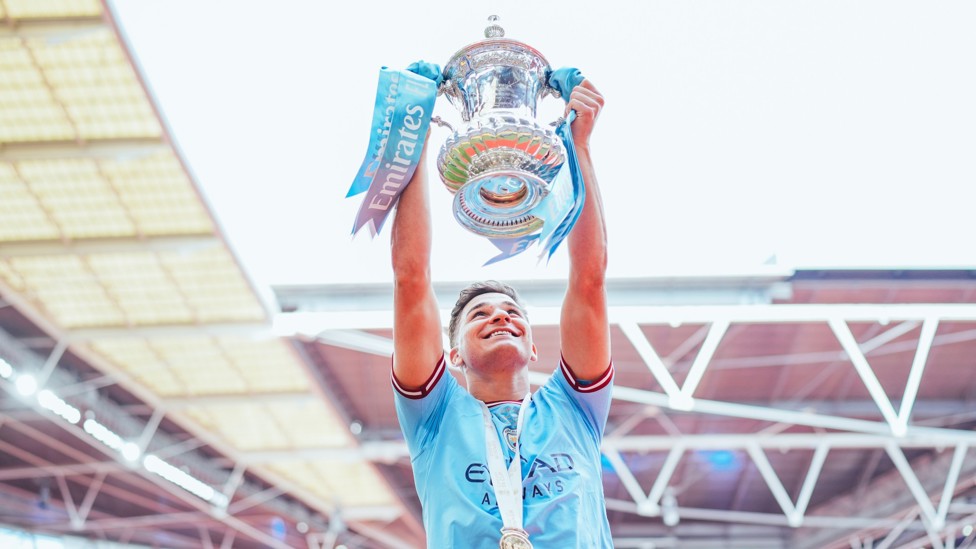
<point x="514" y="538"/>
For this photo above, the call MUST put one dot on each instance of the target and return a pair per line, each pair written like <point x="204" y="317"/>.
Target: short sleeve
<point x="420" y="411"/>
<point x="592" y="398"/>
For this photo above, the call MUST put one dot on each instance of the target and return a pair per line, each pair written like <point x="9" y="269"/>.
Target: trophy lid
<point x="494" y="30"/>
<point x="487" y="51"/>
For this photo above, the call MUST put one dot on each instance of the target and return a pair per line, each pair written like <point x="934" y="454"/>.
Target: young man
<point x="462" y="442"/>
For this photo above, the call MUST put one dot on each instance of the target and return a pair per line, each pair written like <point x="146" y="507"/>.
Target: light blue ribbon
<point x="579" y="188"/>
<point x="401" y="116"/>
<point x="562" y="206"/>
<point x="564" y="80"/>
<point x="511" y="247"/>
<point x="427" y="70"/>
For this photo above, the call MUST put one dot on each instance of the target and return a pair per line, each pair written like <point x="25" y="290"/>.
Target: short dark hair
<point x="472" y="291"/>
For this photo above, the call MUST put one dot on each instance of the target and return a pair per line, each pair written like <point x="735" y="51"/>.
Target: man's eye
<point x="514" y="312"/>
<point x="476" y="314"/>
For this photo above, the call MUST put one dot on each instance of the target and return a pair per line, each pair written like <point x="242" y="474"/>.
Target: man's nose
<point x="499" y="315"/>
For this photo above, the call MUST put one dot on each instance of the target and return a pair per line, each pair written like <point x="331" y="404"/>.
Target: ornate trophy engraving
<point x="501" y="162"/>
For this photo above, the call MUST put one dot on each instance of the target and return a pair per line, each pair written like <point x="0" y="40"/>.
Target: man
<point x="451" y="432"/>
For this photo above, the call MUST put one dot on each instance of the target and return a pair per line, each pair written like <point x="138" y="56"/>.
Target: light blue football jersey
<point x="564" y="506"/>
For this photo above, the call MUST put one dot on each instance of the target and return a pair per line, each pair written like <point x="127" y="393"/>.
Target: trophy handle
<point x="552" y="91"/>
<point x="442" y="123"/>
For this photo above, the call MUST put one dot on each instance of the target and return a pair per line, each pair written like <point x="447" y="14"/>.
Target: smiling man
<point x="462" y="442"/>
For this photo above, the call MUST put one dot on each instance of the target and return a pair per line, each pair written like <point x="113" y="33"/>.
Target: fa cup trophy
<point x="514" y="179"/>
<point x="501" y="162"/>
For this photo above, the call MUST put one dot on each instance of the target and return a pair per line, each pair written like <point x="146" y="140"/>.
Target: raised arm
<point x="584" y="329"/>
<point x="417" y="343"/>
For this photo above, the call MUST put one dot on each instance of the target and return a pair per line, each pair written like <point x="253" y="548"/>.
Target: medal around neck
<point x="515" y="180"/>
<point x="514" y="538"/>
<point x="507" y="482"/>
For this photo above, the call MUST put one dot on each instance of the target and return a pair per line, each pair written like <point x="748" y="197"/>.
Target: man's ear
<point x="455" y="357"/>
<point x="535" y="354"/>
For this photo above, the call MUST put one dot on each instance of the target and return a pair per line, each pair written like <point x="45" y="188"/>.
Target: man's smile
<point x="501" y="332"/>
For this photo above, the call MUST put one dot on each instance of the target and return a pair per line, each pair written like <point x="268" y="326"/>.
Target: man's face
<point x="492" y="326"/>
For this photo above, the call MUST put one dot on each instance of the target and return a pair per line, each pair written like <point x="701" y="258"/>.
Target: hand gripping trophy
<point x="515" y="180"/>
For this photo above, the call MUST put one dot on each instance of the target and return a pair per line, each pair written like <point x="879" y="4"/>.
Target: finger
<point x="585" y="94"/>
<point x="582" y="108"/>
<point x="586" y="83"/>
<point x="585" y="105"/>
<point x="588" y="86"/>
<point x="583" y="112"/>
<point x="585" y="100"/>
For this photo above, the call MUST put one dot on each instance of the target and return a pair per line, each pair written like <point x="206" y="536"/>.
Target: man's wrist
<point x="582" y="153"/>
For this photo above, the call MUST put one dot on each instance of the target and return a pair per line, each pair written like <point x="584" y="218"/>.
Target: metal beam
<point x="950" y="529"/>
<point x="886" y="499"/>
<point x="391" y="451"/>
<point x="925" y="339"/>
<point x="914" y="486"/>
<point x="809" y="482"/>
<point x="95" y="246"/>
<point x="651" y="359"/>
<point x="179" y="493"/>
<point x="312" y="323"/>
<point x="703" y="359"/>
<point x="236" y="329"/>
<point x="291" y="397"/>
<point x="389" y="540"/>
<point x="773" y="482"/>
<point x="952" y="478"/>
<point x="898" y="529"/>
<point x="86" y="504"/>
<point x="630" y="482"/>
<point x="791" y="313"/>
<point x="778" y="415"/>
<point x="786" y="441"/>
<point x="144" y="521"/>
<point x="888" y="336"/>
<point x="762" y="286"/>
<point x="383" y="452"/>
<point x="51" y="29"/>
<point x="357" y="340"/>
<point x="877" y="392"/>
<point x="108" y="149"/>
<point x="770" y="519"/>
<point x="15" y="473"/>
<point x="663" y="479"/>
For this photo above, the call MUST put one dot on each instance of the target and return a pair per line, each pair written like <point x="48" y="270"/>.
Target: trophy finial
<point x="494" y="30"/>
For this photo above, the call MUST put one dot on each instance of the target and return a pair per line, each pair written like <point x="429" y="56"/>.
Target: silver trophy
<point x="500" y="162"/>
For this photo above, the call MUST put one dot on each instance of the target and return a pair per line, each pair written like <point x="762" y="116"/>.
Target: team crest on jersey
<point x="510" y="437"/>
<point x="507" y="413"/>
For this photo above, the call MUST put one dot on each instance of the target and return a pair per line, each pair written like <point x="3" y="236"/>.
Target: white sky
<point x="830" y="133"/>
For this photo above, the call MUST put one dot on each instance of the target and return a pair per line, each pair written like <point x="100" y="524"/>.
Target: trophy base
<point x="497" y="204"/>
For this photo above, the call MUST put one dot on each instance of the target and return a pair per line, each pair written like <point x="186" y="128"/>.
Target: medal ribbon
<point x="507" y="482"/>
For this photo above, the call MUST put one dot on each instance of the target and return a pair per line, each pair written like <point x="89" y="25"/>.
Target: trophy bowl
<point x="500" y="162"/>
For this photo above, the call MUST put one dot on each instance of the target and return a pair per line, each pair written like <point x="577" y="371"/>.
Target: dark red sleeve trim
<point x="427" y="386"/>
<point x="586" y="386"/>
